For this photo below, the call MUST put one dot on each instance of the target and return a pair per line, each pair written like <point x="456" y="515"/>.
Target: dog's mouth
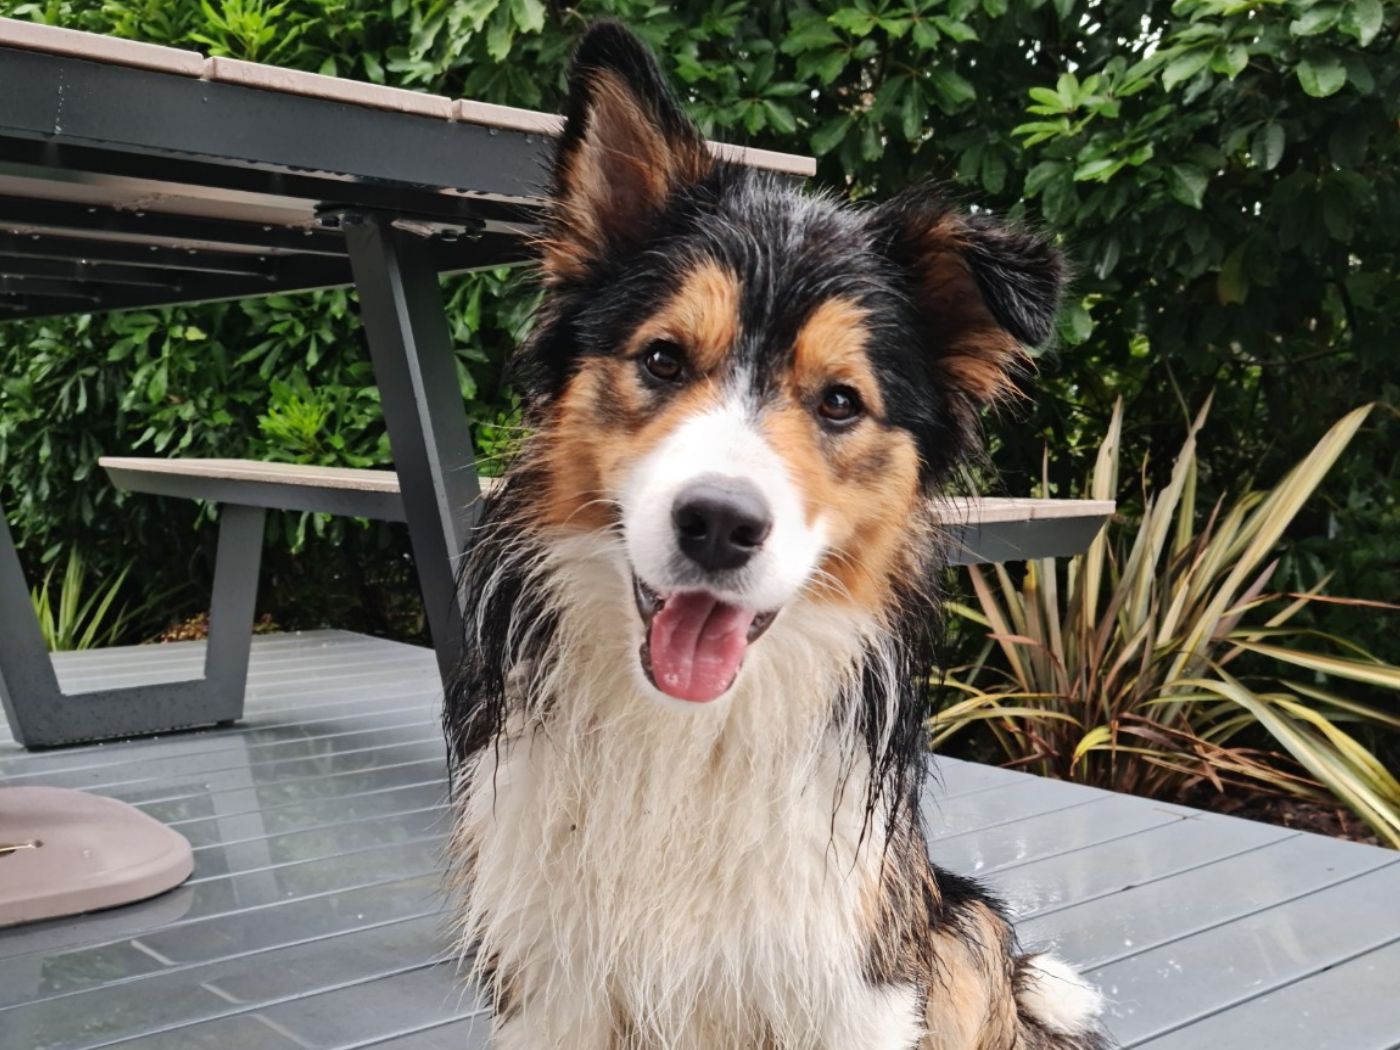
<point x="694" y="643"/>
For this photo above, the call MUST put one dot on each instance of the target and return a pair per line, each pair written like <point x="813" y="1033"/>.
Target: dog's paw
<point x="1050" y="992"/>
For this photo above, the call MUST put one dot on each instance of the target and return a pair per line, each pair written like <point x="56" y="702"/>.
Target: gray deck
<point x="313" y="919"/>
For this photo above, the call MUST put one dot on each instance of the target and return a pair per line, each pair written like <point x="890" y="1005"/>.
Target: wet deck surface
<point x="314" y="921"/>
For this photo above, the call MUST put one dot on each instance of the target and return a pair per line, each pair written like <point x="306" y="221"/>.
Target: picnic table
<point x="139" y="176"/>
<point x="133" y="175"/>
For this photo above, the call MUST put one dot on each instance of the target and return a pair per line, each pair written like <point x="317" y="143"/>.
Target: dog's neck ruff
<point x="666" y="857"/>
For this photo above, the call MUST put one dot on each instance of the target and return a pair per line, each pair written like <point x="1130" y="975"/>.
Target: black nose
<point x="721" y="522"/>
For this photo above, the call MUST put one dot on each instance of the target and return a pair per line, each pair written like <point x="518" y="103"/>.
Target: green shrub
<point x="1223" y="173"/>
<point x="1122" y="666"/>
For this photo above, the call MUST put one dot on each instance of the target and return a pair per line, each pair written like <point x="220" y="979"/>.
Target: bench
<point x="979" y="530"/>
<point x="987" y="529"/>
<point x="43" y="715"/>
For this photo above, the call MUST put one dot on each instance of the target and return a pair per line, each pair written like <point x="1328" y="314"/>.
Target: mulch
<point x="1299" y="814"/>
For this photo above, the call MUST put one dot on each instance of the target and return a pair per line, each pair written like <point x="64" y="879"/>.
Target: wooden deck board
<point x="314" y="917"/>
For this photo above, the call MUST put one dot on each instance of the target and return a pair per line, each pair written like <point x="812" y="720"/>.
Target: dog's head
<point x="755" y="386"/>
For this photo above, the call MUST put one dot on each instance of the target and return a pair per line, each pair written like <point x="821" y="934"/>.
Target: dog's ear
<point x="984" y="291"/>
<point x="625" y="147"/>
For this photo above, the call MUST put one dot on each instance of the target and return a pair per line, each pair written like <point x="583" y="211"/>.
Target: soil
<point x="1296" y="813"/>
<point x="196" y="628"/>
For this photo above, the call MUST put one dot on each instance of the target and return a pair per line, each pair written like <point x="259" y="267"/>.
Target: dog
<point x="687" y="737"/>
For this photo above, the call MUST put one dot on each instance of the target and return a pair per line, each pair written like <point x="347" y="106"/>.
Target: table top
<point x="138" y="175"/>
<point x="314" y="919"/>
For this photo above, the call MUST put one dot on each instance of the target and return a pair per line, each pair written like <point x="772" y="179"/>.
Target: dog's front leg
<point x="556" y="1026"/>
<point x="870" y="1017"/>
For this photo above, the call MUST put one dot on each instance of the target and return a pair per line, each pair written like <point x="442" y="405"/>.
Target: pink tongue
<point x="697" y="644"/>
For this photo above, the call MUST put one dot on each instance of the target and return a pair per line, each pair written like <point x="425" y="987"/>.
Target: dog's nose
<point x="721" y="522"/>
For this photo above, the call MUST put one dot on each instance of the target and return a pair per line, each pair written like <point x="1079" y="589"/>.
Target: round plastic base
<point x="65" y="852"/>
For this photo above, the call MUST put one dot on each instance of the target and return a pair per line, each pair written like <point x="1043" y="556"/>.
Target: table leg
<point x="402" y="310"/>
<point x="26" y="672"/>
<point x="41" y="714"/>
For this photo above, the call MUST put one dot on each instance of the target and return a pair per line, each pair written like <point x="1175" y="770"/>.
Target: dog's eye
<point x="840" y="405"/>
<point x="663" y="360"/>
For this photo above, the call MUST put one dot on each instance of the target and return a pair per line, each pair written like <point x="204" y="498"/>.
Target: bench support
<point x="406" y="325"/>
<point x="41" y="714"/>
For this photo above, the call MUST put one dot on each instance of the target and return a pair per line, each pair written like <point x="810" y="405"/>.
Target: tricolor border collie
<point x="687" y="741"/>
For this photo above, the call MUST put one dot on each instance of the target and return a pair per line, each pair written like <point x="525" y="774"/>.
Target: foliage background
<point x="1222" y="172"/>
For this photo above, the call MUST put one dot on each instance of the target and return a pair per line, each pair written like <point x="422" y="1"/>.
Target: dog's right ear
<point x="625" y="147"/>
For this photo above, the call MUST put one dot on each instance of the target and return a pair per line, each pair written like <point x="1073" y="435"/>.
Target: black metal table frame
<point x="385" y="226"/>
<point x="402" y="311"/>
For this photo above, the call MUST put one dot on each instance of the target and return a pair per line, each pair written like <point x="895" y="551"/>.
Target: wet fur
<point x="634" y="877"/>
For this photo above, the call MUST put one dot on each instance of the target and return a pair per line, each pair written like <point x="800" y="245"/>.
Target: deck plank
<point x="315" y="917"/>
<point x="1352" y="1006"/>
<point x="1233" y="963"/>
<point x="1162" y="910"/>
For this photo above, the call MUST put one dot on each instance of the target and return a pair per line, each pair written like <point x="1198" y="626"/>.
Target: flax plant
<point x="72" y="616"/>
<point x="1124" y="667"/>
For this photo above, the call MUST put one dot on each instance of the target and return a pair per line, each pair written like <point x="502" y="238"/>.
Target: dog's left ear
<point x="626" y="146"/>
<point x="984" y="291"/>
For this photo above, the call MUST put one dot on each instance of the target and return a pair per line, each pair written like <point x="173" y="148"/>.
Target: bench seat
<point x="273" y="486"/>
<point x="987" y="529"/>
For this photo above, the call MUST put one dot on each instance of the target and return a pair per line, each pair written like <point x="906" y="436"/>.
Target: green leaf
<point x="829" y="135"/>
<point x="1232" y="60"/>
<point x="1041" y="175"/>
<point x="1108" y="259"/>
<point x="872" y="147"/>
<point x="1266" y="148"/>
<point x="529" y="14"/>
<point x="959" y="31"/>
<point x="1049" y="99"/>
<point x="993" y="171"/>
<point x="811" y="35"/>
<point x="952" y="87"/>
<point x="1100" y="169"/>
<point x="826" y="67"/>
<point x="499" y="36"/>
<point x="1184" y="67"/>
<point x="1322" y="76"/>
<point x="1386" y="676"/>
<point x="1067" y="91"/>
<point x="1076" y="324"/>
<point x="1359" y="73"/>
<point x="1187" y="184"/>
<point x="895" y="27"/>
<point x="1059" y="200"/>
<point x="1362" y="19"/>
<point x="925" y="35"/>
<point x="159" y="383"/>
<point x="854" y="20"/>
<point x="911" y="113"/>
<point x="780" y="118"/>
<point x="1041" y="130"/>
<point x="1232" y="283"/>
<point x="1317" y="19"/>
<point x="970" y="163"/>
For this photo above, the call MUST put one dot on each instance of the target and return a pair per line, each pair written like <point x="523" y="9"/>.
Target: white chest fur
<point x="692" y="874"/>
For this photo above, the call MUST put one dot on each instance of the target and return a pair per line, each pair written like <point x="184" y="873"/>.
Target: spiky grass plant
<point x="1159" y="659"/>
<point x="74" y="616"/>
